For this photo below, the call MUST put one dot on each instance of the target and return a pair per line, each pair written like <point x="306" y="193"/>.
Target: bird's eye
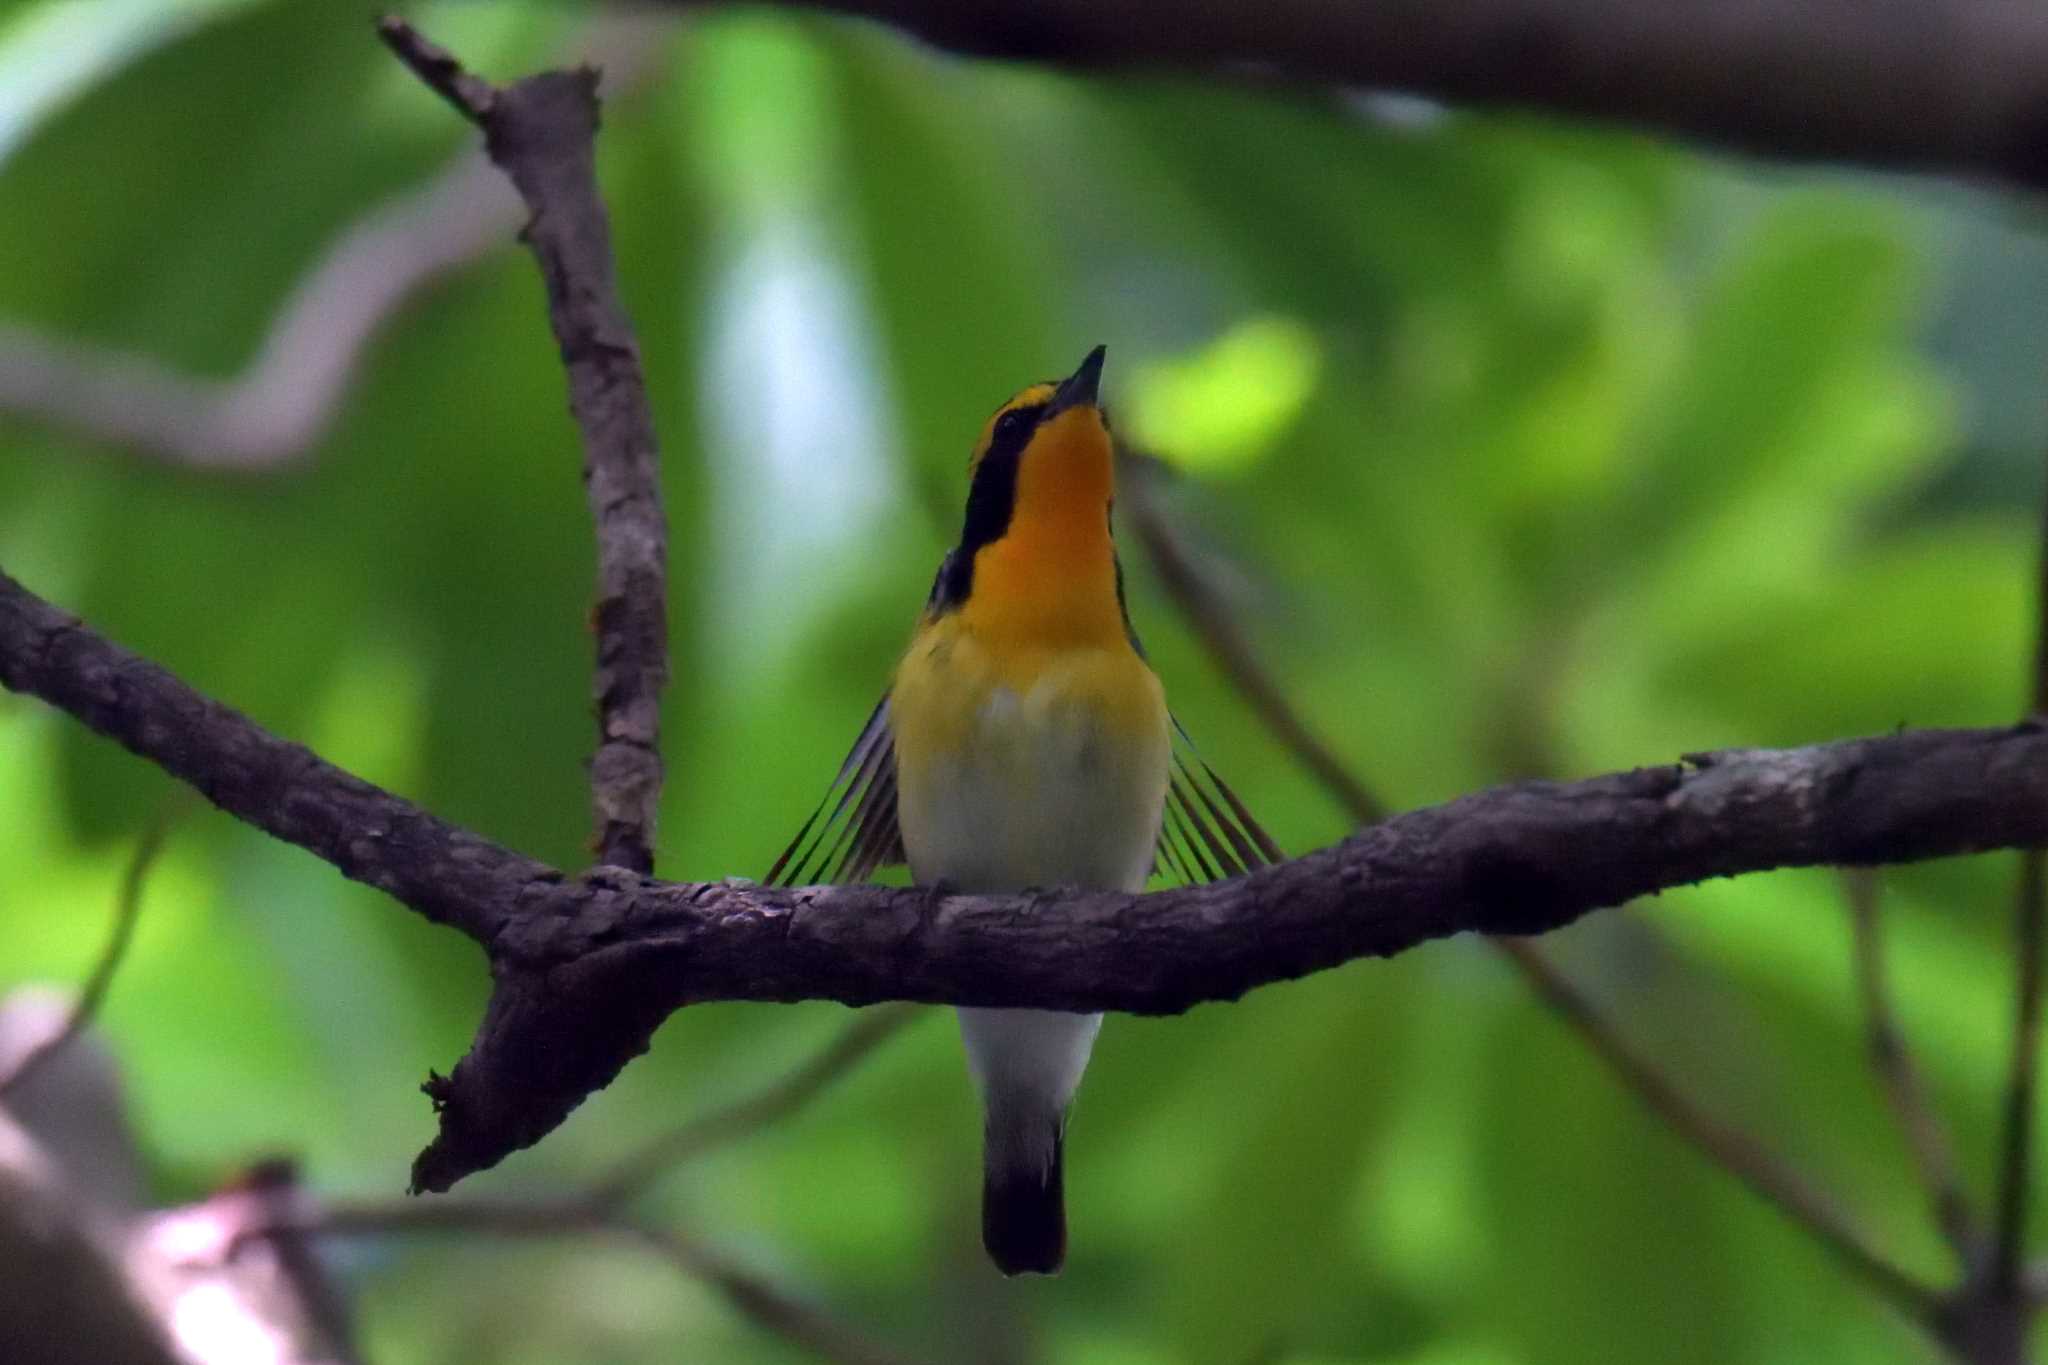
<point x="1013" y="424"/>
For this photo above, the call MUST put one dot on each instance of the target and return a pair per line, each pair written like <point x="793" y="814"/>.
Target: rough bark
<point x="586" y="966"/>
<point x="542" y="132"/>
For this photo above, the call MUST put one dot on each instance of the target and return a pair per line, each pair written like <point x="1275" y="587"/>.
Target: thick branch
<point x="440" y="871"/>
<point x="541" y="132"/>
<point x="587" y="966"/>
<point x="1943" y="85"/>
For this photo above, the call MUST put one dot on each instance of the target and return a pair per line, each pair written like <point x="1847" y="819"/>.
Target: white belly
<point x="1041" y="795"/>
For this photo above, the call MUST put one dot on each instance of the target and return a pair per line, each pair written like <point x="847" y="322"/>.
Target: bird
<point x="1025" y="743"/>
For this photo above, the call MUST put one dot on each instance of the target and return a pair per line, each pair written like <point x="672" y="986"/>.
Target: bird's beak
<point x="1078" y="389"/>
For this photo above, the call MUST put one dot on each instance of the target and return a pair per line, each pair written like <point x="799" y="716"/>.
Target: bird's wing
<point x="853" y="833"/>
<point x="1206" y="833"/>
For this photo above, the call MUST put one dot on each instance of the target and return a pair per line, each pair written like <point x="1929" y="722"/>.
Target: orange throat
<point x="1051" y="577"/>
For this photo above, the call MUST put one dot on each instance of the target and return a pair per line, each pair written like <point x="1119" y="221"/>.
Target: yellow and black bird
<point x="1025" y="742"/>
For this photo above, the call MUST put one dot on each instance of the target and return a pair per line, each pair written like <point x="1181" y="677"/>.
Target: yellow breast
<point x="1027" y="761"/>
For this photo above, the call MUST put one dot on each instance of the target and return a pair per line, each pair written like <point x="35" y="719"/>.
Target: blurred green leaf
<point x="1518" y="449"/>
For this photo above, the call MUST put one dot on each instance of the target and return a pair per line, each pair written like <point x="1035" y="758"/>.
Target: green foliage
<point x="1570" y="452"/>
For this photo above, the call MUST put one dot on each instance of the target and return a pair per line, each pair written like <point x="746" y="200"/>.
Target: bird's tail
<point x="1023" y="1201"/>
<point x="1026" y="1064"/>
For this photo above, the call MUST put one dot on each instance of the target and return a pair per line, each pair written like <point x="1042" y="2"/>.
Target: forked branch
<point x="542" y="133"/>
<point x="587" y="966"/>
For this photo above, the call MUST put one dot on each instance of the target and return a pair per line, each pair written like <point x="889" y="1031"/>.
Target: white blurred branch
<point x="65" y="1298"/>
<point x="275" y="411"/>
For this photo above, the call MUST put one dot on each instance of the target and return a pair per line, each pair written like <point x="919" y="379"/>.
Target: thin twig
<point x="765" y="1302"/>
<point x="437" y="67"/>
<point x="1933" y="1157"/>
<point x="868" y="1030"/>
<point x="1217" y="627"/>
<point x="1725" y="1145"/>
<point x="542" y="132"/>
<point x="2015" y="1170"/>
<point x="2016" y="1148"/>
<point x="127" y="910"/>
<point x="1728" y="1147"/>
<point x="754" y="1296"/>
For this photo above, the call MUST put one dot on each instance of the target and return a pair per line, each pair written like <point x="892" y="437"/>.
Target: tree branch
<point x="1728" y="1147"/>
<point x="67" y="1297"/>
<point x="633" y="1174"/>
<point x="2008" y="1238"/>
<point x="542" y="132"/>
<point x="236" y="1280"/>
<point x="755" y="1297"/>
<point x="2017" y="1146"/>
<point x="1220" y="634"/>
<point x="1940" y="85"/>
<point x="276" y="409"/>
<point x="1893" y="1061"/>
<point x="586" y="966"/>
<point x="281" y="404"/>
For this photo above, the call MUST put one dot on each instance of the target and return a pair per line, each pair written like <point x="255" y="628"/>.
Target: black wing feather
<point x="1205" y="832"/>
<point x="860" y="836"/>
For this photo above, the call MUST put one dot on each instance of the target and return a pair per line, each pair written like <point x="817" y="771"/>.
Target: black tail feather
<point x="1024" y="1215"/>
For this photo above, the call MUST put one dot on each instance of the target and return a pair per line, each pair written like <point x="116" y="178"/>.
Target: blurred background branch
<point x="1939" y="85"/>
<point x="1944" y="87"/>
<point x="630" y="1177"/>
<point x="19" y="1070"/>
<point x="1892" y="1059"/>
<point x="66" y="1298"/>
<point x="1653" y="436"/>
<point x="760" y="1300"/>
<point x="1715" y="1139"/>
<point x="94" y="1281"/>
<point x="275" y="411"/>
<point x="1994" y="1313"/>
